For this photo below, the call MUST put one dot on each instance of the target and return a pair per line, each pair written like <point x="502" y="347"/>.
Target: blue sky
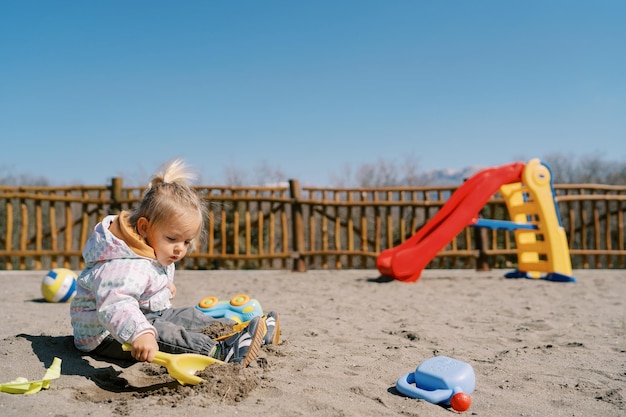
<point x="90" y="90"/>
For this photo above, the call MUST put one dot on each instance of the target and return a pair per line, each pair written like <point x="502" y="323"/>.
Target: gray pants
<point x="178" y="331"/>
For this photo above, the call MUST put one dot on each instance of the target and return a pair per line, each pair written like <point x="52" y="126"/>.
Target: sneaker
<point x="243" y="347"/>
<point x="272" y="322"/>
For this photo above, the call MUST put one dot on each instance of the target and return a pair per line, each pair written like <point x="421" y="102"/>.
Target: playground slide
<point x="406" y="261"/>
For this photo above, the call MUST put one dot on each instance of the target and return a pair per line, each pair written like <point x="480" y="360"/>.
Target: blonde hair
<point x="170" y="194"/>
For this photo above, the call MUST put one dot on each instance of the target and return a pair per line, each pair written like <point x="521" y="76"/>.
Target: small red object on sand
<point x="460" y="401"/>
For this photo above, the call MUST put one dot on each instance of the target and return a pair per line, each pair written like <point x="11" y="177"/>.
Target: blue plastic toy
<point x="440" y="380"/>
<point x="241" y="308"/>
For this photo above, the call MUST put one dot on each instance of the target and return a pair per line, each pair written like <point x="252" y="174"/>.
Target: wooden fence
<point x="303" y="227"/>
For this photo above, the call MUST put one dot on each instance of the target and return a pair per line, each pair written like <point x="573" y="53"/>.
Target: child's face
<point x="171" y="240"/>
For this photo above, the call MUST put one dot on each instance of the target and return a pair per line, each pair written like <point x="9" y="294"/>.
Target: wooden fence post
<point x="116" y="195"/>
<point x="482" y="261"/>
<point x="297" y="227"/>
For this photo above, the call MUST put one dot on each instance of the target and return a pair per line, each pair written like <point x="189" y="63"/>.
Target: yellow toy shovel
<point x="24" y="386"/>
<point x="182" y="367"/>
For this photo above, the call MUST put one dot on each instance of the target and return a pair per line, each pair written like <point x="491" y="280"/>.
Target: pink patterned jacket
<point x="116" y="288"/>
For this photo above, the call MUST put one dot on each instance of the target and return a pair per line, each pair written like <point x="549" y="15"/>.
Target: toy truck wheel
<point x="208" y="302"/>
<point x="239" y="300"/>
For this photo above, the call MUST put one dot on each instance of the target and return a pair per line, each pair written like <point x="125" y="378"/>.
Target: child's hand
<point x="144" y="348"/>
<point x="172" y="289"/>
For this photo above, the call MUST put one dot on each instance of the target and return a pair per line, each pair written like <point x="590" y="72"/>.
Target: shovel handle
<point x="160" y="358"/>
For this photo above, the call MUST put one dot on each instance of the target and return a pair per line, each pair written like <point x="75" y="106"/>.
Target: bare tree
<point x="8" y="178"/>
<point x="344" y="178"/>
<point x="587" y="169"/>
<point x="265" y="173"/>
<point x="234" y="176"/>
<point x="382" y="173"/>
<point x="410" y="169"/>
<point x="617" y="176"/>
<point x="262" y="174"/>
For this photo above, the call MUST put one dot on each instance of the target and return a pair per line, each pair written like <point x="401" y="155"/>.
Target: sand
<point x="537" y="348"/>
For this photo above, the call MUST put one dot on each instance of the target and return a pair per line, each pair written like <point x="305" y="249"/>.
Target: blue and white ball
<point x="59" y="285"/>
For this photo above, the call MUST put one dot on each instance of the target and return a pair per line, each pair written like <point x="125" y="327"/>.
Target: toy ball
<point x="460" y="401"/>
<point x="59" y="285"/>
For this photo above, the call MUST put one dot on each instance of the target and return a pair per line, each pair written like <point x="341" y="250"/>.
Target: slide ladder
<point x="542" y="248"/>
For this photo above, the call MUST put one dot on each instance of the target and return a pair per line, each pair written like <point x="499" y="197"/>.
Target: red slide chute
<point x="406" y="261"/>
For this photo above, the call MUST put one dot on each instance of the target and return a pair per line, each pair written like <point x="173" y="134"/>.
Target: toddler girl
<point x="124" y="293"/>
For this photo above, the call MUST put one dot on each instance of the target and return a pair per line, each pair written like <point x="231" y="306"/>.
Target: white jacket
<point x="117" y="287"/>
